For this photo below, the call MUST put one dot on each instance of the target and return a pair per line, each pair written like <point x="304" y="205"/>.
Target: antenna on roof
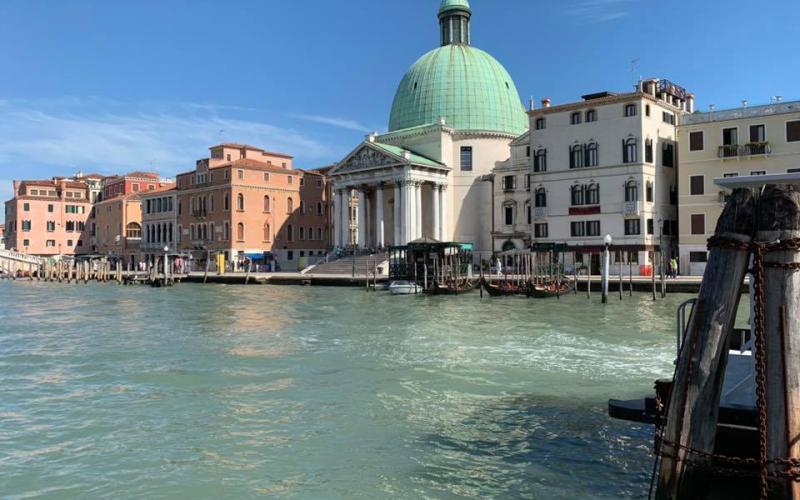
<point x="634" y="67"/>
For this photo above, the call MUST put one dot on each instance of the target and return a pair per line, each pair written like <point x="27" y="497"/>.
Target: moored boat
<point x="502" y="288"/>
<point x="452" y="287"/>
<point x="403" y="287"/>
<point x="549" y="290"/>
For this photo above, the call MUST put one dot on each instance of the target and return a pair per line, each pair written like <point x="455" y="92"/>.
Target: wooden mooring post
<point x="693" y="406"/>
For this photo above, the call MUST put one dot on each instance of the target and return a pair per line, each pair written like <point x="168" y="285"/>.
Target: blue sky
<point x="116" y="86"/>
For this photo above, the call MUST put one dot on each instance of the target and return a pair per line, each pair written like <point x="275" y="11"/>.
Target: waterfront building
<point x="454" y="115"/>
<point x="2" y="236"/>
<point x="511" y="181"/>
<point x="607" y="165"/>
<point x="750" y="140"/>
<point x="245" y="201"/>
<point x="159" y="223"/>
<point x="119" y="227"/>
<point x="48" y="217"/>
<point x="134" y="182"/>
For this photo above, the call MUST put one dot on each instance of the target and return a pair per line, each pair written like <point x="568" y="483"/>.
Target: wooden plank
<point x="779" y="220"/>
<point x="694" y="404"/>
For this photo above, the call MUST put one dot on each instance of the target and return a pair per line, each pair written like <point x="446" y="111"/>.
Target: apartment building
<point x="134" y="182"/>
<point x="48" y="217"/>
<point x="606" y="165"/>
<point x="119" y="228"/>
<point x="748" y="140"/>
<point x="159" y="223"/>
<point x="245" y="201"/>
<point x="511" y="179"/>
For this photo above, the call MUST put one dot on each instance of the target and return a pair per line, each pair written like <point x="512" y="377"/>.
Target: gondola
<point x="452" y="288"/>
<point x="549" y="290"/>
<point x="503" y="288"/>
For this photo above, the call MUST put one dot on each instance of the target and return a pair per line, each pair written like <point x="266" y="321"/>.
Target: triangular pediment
<point x="367" y="157"/>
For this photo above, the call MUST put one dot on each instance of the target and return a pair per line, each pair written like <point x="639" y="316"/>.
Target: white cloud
<point x="600" y="11"/>
<point x="334" y="122"/>
<point x="115" y="137"/>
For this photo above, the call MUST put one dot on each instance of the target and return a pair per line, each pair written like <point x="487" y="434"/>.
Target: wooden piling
<point x="630" y="276"/>
<point x="693" y="407"/>
<point x="653" y="272"/>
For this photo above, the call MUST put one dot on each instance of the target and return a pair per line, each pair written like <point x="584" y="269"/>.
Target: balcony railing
<point x="632" y="208"/>
<point x="541" y="212"/>
<point x="756" y="148"/>
<point x="729" y="151"/>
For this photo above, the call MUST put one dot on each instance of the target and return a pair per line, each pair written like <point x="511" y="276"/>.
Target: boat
<point x="404" y="288"/>
<point x="502" y="288"/>
<point x="549" y="290"/>
<point x="451" y="287"/>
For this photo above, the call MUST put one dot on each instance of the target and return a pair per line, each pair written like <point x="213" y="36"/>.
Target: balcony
<point x="632" y="208"/>
<point x="756" y="148"/>
<point x="541" y="212"/>
<point x="729" y="151"/>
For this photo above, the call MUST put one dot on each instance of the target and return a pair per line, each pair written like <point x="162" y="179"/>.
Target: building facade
<point x="245" y="201"/>
<point x="119" y="228"/>
<point x="159" y="223"/>
<point x="48" y="217"/>
<point x="754" y="140"/>
<point x="134" y="182"/>
<point x="454" y="115"/>
<point x="2" y="236"/>
<point x="513" y="216"/>
<point x="606" y="165"/>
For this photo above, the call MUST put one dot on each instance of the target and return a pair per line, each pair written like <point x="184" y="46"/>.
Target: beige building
<point x="606" y="165"/>
<point x="513" y="216"/>
<point x="159" y="223"/>
<point x="755" y="140"/>
<point x="119" y="228"/>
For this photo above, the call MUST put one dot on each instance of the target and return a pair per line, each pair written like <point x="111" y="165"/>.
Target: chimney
<point x="372" y="137"/>
<point x="406" y="154"/>
<point x="690" y="103"/>
<point x="546" y="102"/>
<point x="653" y="87"/>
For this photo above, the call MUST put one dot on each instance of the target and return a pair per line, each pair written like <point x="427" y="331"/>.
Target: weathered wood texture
<point x="694" y="404"/>
<point x="779" y="220"/>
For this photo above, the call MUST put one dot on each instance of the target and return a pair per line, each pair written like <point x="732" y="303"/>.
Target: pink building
<point x="2" y="236"/>
<point x="49" y="217"/>
<point x="134" y="182"/>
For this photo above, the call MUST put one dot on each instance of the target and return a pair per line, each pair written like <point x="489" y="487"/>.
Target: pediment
<point x="366" y="157"/>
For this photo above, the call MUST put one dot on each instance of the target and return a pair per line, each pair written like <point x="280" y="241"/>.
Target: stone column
<point x="361" y="221"/>
<point x="437" y="213"/>
<point x="379" y="225"/>
<point x="345" y="220"/>
<point x="445" y="214"/>
<point x="337" y="219"/>
<point x="418" y="213"/>
<point x="398" y="207"/>
<point x="408" y="212"/>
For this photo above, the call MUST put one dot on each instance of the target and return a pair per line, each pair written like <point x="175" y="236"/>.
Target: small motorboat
<point x="549" y="290"/>
<point x="404" y="288"/>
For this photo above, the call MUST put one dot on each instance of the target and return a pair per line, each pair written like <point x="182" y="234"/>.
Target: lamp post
<point x="606" y="265"/>
<point x="166" y="262"/>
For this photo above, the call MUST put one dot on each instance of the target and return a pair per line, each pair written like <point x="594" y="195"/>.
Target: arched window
<point x="540" y="160"/>
<point x="509" y="246"/>
<point x="240" y="232"/>
<point x="591" y="154"/>
<point x="540" y="198"/>
<point x="302" y="207"/>
<point x="290" y="205"/>
<point x="576" y="192"/>
<point x="319" y="233"/>
<point x="576" y="156"/>
<point x="629" y="150"/>
<point x="169" y="233"/>
<point x="593" y="194"/>
<point x="631" y="191"/>
<point x="211" y="231"/>
<point x="267" y="232"/>
<point x="240" y="202"/>
<point x="227" y="203"/>
<point x="528" y="211"/>
<point x="133" y="230"/>
<point x="266" y="204"/>
<point x="163" y="233"/>
<point x="289" y="233"/>
<point x="319" y="208"/>
<point x="302" y="232"/>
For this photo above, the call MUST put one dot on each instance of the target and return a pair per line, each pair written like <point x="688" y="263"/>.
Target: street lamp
<point x="606" y="265"/>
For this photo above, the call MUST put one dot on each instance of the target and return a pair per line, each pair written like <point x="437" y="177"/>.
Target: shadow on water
<point x="530" y="446"/>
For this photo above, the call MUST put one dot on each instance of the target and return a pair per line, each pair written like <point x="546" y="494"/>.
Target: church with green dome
<point x="455" y="114"/>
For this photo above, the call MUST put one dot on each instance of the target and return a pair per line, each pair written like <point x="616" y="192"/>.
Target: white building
<point x="159" y="223"/>
<point x="512" y="199"/>
<point x="454" y="115"/>
<point x="607" y="165"/>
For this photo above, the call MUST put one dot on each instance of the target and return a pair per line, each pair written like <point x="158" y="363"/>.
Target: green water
<point x="287" y="392"/>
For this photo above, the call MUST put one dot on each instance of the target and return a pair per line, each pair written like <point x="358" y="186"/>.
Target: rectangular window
<point x="26" y="225"/>
<point x="758" y="172"/>
<point x="540" y="161"/>
<point x="51" y="226"/>
<point x="50" y="209"/>
<point x="698" y="224"/>
<point x="135" y="187"/>
<point x="466" y="158"/>
<point x="758" y="133"/>
<point x="633" y="227"/>
<point x="50" y="243"/>
<point x="26" y="207"/>
<point x="731" y="174"/>
<point x="648" y="151"/>
<point x="540" y="230"/>
<point x="290" y="255"/>
<point x="793" y="170"/>
<point x="650" y="227"/>
<point x="668" y="118"/>
<point x="540" y="124"/>
<point x="697" y="185"/>
<point x="648" y="192"/>
<point x="730" y="136"/>
<point x="591" y="115"/>
<point x="593" y="228"/>
<point x="509" y="183"/>
<point x="509" y="215"/>
<point x="630" y="110"/>
<point x="576" y="229"/>
<point x="793" y="131"/>
<point x="575" y="118"/>
<point x="668" y="155"/>
<point x="698" y="257"/>
<point x="239" y="174"/>
<point x="527" y="151"/>
<point x="289" y="179"/>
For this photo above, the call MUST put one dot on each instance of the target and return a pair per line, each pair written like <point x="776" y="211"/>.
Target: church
<point x="455" y="113"/>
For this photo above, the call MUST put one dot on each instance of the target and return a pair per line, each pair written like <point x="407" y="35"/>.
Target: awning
<point x="255" y="256"/>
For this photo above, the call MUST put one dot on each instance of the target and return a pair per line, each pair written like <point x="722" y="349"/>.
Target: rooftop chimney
<point x="744" y="103"/>
<point x="406" y="154"/>
<point x="546" y="102"/>
<point x="690" y="103"/>
<point x="372" y="137"/>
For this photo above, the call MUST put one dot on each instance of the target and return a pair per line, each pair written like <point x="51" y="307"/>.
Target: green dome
<point x="454" y="4"/>
<point x="464" y="85"/>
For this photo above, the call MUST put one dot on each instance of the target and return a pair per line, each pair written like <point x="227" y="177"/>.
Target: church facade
<point x="454" y="116"/>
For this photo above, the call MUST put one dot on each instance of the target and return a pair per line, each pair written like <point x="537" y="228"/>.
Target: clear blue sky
<point x="111" y="86"/>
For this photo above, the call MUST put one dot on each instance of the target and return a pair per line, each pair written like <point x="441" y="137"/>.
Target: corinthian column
<point x="445" y="214"/>
<point x="437" y="213"/>
<point x="361" y="222"/>
<point x="337" y="219"/>
<point x="379" y="225"/>
<point x="418" y="213"/>
<point x="398" y="207"/>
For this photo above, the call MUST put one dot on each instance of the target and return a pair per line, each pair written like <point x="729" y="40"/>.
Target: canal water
<point x="289" y="392"/>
